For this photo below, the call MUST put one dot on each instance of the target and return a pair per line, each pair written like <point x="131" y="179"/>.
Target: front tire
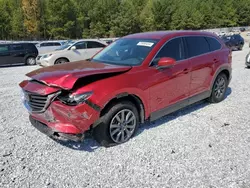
<point x="118" y="124"/>
<point x="30" y="61"/>
<point x="219" y="89"/>
<point x="61" y="61"/>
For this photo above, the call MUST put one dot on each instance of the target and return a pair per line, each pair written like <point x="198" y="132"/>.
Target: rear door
<point x="202" y="62"/>
<point x="92" y="48"/>
<point x="5" y="57"/>
<point x="18" y="53"/>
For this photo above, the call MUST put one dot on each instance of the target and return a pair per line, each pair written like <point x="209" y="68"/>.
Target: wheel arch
<point x="126" y="97"/>
<point x="61" y="58"/>
<point x="28" y="56"/>
<point x="224" y="69"/>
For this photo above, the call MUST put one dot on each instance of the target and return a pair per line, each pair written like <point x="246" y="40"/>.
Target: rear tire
<point x="219" y="89"/>
<point x="118" y="124"/>
<point x="61" y="61"/>
<point x="30" y="61"/>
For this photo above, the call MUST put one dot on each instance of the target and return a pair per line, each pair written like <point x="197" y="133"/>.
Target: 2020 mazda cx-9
<point x="139" y="77"/>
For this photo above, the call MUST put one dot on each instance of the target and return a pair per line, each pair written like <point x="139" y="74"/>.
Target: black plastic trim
<point x="179" y="105"/>
<point x="94" y="106"/>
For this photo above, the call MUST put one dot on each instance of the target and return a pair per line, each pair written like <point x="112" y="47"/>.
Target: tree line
<point x="71" y="19"/>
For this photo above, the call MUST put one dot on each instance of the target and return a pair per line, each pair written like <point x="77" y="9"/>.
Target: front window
<point x="126" y="51"/>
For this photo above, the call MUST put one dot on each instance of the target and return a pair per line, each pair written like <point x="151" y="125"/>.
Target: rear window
<point x="197" y="45"/>
<point x="213" y="44"/>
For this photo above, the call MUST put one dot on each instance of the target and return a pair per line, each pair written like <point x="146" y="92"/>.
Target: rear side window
<point x="197" y="45"/>
<point x="4" y="48"/>
<point x="56" y="44"/>
<point x="213" y="44"/>
<point x="17" y="47"/>
<point x="47" y="44"/>
<point x="173" y="49"/>
<point x="93" y="44"/>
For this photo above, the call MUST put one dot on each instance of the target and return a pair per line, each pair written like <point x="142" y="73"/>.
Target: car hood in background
<point x="65" y="75"/>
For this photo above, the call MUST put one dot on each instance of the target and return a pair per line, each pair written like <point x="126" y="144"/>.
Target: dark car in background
<point x="235" y="42"/>
<point x="18" y="53"/>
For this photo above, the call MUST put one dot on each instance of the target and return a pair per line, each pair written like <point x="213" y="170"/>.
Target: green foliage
<point x="64" y="19"/>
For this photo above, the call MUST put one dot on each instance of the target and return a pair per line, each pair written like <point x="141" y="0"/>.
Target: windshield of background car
<point x="128" y="51"/>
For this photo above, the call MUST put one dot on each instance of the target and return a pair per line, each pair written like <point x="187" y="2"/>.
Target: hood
<point x="65" y="75"/>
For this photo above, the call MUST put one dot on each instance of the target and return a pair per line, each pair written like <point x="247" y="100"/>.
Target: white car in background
<point x="45" y="47"/>
<point x="76" y="51"/>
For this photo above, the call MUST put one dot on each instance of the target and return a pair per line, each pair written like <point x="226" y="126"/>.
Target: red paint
<point x="65" y="75"/>
<point x="155" y="88"/>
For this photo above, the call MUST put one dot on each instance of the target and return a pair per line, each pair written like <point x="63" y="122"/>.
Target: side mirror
<point x="73" y="48"/>
<point x="166" y="62"/>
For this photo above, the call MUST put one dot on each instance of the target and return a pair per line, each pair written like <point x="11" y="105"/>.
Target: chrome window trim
<point x="150" y="64"/>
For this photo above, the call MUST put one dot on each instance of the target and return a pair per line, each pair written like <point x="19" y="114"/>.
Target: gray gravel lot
<point x="205" y="145"/>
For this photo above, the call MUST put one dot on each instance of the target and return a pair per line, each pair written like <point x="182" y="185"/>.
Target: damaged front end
<point x="58" y="113"/>
<point x="58" y="100"/>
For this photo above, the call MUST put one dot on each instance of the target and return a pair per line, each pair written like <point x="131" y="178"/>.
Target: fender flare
<point x="218" y="71"/>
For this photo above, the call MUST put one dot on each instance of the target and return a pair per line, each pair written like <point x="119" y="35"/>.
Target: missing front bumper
<point x="56" y="135"/>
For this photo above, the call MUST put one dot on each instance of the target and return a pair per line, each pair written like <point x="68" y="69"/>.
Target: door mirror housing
<point x="73" y="48"/>
<point x="166" y="62"/>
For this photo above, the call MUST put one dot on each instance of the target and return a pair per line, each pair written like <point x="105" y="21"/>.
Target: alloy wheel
<point x="220" y="87"/>
<point x="31" y="61"/>
<point x="122" y="126"/>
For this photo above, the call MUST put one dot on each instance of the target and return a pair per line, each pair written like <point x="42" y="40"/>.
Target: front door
<point x="170" y="85"/>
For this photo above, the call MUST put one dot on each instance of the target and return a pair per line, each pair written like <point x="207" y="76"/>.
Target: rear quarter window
<point x="214" y="44"/>
<point x="197" y="45"/>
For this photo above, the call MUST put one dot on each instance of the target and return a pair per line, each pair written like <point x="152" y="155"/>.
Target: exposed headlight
<point x="46" y="56"/>
<point x="74" y="99"/>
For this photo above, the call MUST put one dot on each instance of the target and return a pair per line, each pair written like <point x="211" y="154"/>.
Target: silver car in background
<point x="73" y="51"/>
<point x="48" y="46"/>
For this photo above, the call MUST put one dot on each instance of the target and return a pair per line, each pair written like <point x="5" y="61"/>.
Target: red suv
<point x="138" y="77"/>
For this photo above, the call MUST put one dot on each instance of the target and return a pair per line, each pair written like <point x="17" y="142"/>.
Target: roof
<point x="162" y="34"/>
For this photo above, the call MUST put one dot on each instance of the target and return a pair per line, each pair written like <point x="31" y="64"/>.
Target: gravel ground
<point x="205" y="145"/>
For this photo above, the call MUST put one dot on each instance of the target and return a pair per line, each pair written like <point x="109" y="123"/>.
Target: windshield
<point x="126" y="51"/>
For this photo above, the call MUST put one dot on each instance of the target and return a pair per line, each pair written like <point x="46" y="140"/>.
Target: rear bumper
<point x="54" y="134"/>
